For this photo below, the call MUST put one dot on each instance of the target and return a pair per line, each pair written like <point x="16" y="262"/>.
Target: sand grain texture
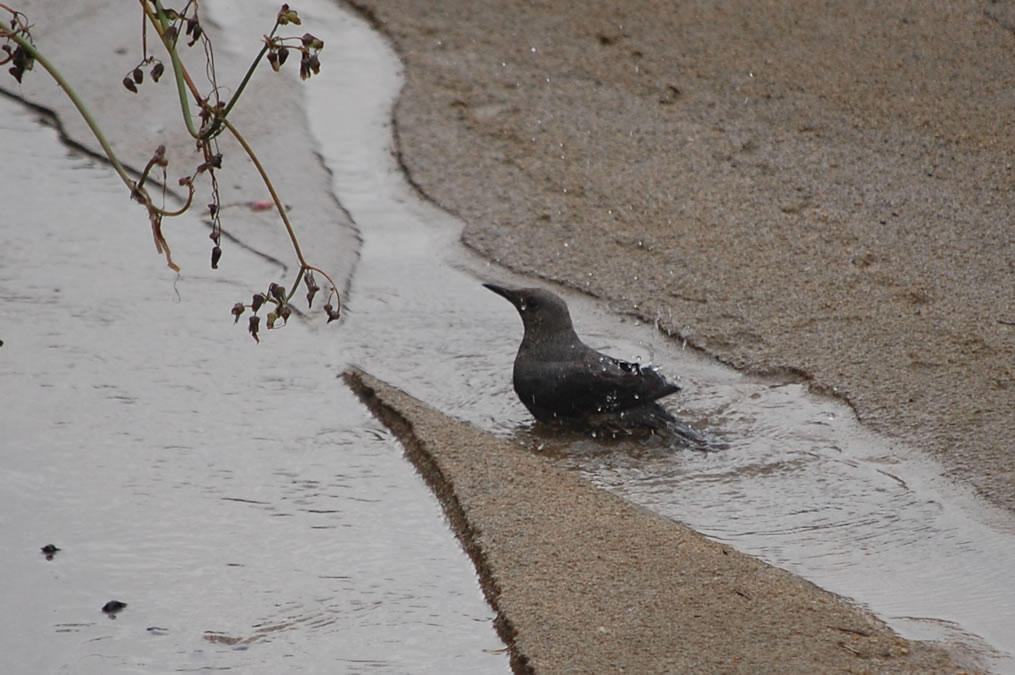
<point x="586" y="582"/>
<point x="795" y="187"/>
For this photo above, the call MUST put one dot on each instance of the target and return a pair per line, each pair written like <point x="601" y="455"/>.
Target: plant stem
<point x="161" y="24"/>
<point x="250" y="72"/>
<point x="72" y="95"/>
<point x="271" y="189"/>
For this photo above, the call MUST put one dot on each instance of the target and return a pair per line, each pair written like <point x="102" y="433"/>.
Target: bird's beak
<point x="510" y="295"/>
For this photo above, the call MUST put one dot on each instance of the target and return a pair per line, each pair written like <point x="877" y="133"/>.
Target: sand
<point x="821" y="191"/>
<point x="585" y="582"/>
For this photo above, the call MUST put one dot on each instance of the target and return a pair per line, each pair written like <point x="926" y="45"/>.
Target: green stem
<point x="181" y="87"/>
<point x="250" y="73"/>
<point x="72" y="95"/>
<point x="271" y="190"/>
<point x="296" y="286"/>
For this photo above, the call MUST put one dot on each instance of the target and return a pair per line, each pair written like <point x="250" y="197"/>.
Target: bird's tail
<point x="685" y="435"/>
<point x="668" y="427"/>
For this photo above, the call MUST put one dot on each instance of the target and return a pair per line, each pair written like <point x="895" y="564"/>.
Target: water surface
<point x="254" y="516"/>
<point x="251" y="513"/>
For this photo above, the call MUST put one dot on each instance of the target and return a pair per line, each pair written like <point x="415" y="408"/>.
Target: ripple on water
<point x="804" y="488"/>
<point x="237" y="497"/>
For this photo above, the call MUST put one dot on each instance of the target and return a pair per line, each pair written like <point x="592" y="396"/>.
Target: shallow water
<point x="250" y="512"/>
<point x="802" y="485"/>
<point x="159" y="446"/>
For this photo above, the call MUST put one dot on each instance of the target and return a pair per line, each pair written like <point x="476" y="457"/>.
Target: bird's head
<point x="543" y="313"/>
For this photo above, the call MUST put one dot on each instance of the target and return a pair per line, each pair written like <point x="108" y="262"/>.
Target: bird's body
<point x="561" y="380"/>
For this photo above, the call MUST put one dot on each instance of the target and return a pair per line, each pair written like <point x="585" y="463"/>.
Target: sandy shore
<point x="585" y="582"/>
<point x="821" y="191"/>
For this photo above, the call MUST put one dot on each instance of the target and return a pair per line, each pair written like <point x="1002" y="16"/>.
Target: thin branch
<point x="161" y="24"/>
<point x="250" y="72"/>
<point x="271" y="189"/>
<point x="79" y="104"/>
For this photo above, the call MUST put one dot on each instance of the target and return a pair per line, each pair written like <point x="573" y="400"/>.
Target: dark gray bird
<point x="561" y="380"/>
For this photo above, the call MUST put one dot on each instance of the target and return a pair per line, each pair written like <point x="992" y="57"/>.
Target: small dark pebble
<point x="49" y="551"/>
<point x="113" y="607"/>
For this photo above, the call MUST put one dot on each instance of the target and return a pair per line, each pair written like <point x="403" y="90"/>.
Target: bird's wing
<point x="600" y="383"/>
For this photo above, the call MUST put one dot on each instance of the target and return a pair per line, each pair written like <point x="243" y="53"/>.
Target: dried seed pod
<point x="138" y="75"/>
<point x="277" y="292"/>
<point x="237" y="311"/>
<point x="194" y="31"/>
<point x="287" y="16"/>
<point x="312" y="287"/>
<point x="333" y="314"/>
<point x="258" y="300"/>
<point x="216" y="255"/>
<point x="128" y="83"/>
<point x="253" y="325"/>
<point x="157" y="71"/>
<point x="311" y="42"/>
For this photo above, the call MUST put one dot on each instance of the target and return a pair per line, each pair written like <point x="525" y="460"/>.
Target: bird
<point x="562" y="381"/>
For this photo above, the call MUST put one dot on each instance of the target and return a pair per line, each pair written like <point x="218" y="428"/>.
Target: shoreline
<point x="584" y="581"/>
<point x="684" y="164"/>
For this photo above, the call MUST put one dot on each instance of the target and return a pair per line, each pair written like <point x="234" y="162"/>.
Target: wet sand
<point x="585" y="582"/>
<point x="817" y="191"/>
